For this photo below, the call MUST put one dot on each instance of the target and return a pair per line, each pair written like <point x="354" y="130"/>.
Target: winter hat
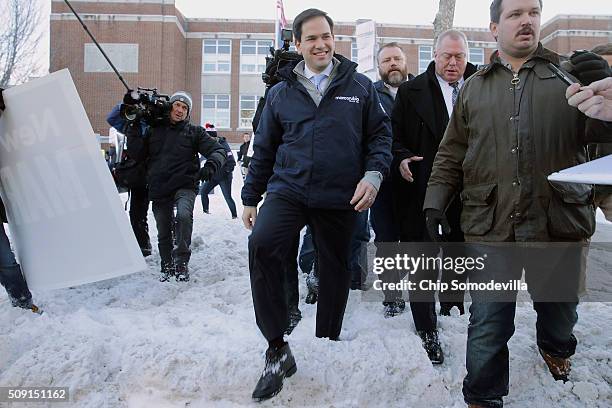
<point x="184" y="97"/>
<point x="210" y="129"/>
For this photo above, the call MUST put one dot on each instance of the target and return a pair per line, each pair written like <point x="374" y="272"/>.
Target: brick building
<point x="219" y="61"/>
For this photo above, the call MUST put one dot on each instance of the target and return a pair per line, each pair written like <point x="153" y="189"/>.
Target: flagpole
<point x="276" y="25"/>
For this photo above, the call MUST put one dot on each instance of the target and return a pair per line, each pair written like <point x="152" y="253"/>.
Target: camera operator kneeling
<point x="170" y="151"/>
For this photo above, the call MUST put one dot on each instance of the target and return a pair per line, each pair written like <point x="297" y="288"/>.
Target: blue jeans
<point x="224" y="180"/>
<point x="163" y="210"/>
<point x="492" y="324"/>
<point x="10" y="272"/>
<point x="7" y="258"/>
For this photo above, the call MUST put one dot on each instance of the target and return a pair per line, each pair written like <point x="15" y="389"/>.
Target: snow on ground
<point x="136" y="342"/>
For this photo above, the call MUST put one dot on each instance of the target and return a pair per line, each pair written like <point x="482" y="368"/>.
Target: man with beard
<point x="511" y="127"/>
<point x="393" y="71"/>
<point x="422" y="111"/>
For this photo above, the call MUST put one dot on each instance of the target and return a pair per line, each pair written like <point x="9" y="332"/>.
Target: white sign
<point x="66" y="218"/>
<point x="594" y="172"/>
<point x="366" y="48"/>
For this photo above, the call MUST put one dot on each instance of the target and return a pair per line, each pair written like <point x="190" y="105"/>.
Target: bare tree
<point x="19" y="36"/>
<point x="444" y="18"/>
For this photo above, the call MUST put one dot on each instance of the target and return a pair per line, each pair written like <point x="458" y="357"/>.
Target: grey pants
<point x="163" y="210"/>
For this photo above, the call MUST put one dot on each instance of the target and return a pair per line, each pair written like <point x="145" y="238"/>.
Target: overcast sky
<point x="468" y="13"/>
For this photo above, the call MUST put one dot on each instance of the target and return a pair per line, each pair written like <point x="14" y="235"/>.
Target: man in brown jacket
<point x="511" y="127"/>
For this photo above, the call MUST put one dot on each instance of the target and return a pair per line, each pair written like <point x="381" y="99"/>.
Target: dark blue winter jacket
<point x="230" y="162"/>
<point x="134" y="146"/>
<point x="386" y="99"/>
<point x="318" y="155"/>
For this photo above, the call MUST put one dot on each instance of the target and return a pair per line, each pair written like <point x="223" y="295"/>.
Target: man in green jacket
<point x="510" y="129"/>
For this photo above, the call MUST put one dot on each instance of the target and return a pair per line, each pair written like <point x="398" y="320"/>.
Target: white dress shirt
<point x="327" y="71"/>
<point x="447" y="92"/>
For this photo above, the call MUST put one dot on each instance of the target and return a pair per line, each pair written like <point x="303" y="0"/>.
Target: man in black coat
<point x="222" y="178"/>
<point x="173" y="173"/>
<point x="393" y="70"/>
<point x="420" y="116"/>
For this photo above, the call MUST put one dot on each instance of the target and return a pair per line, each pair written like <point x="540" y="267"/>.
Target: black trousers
<point x="182" y="224"/>
<point x="279" y="221"/>
<point x="139" y="207"/>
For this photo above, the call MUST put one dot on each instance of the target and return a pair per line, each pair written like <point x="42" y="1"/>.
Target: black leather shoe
<point x="445" y="308"/>
<point x="182" y="272"/>
<point x="279" y="364"/>
<point x="294" y="318"/>
<point x="311" y="298"/>
<point x="431" y="344"/>
<point x="167" y="271"/>
<point x="394" y="308"/>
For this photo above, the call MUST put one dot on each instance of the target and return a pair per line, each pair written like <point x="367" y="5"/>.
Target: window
<point x="253" y="55"/>
<point x="425" y="57"/>
<point x="354" y="55"/>
<point x="477" y="56"/>
<point x="124" y="57"/>
<point x="216" y="110"/>
<point x="216" y="56"/>
<point x="248" y="106"/>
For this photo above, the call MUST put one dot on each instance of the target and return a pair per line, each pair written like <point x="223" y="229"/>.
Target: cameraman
<point x="10" y="272"/>
<point x="170" y="151"/>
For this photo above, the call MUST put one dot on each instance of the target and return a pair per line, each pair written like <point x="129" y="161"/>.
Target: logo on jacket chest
<point x="351" y="99"/>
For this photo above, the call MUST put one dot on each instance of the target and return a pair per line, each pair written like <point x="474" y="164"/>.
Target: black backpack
<point x="129" y="173"/>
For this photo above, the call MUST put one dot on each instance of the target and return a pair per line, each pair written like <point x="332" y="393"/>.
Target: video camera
<point x="146" y="104"/>
<point x="279" y="58"/>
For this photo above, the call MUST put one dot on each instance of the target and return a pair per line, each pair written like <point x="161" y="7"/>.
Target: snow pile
<point x="136" y="342"/>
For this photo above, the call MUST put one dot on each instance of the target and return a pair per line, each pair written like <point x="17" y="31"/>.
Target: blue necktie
<point x="455" y="86"/>
<point x="317" y="79"/>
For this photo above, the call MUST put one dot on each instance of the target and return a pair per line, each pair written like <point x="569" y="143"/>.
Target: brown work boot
<point x="474" y="406"/>
<point x="559" y="367"/>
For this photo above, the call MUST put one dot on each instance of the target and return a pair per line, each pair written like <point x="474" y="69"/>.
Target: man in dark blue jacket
<point x="393" y="70"/>
<point x="222" y="178"/>
<point x="322" y="148"/>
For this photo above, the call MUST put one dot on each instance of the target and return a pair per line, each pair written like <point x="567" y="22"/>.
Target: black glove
<point x="207" y="171"/>
<point x="588" y="67"/>
<point x="2" y="106"/>
<point x="433" y="219"/>
<point x="128" y="98"/>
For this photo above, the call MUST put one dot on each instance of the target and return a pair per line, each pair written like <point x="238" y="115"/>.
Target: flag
<point x="281" y="23"/>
